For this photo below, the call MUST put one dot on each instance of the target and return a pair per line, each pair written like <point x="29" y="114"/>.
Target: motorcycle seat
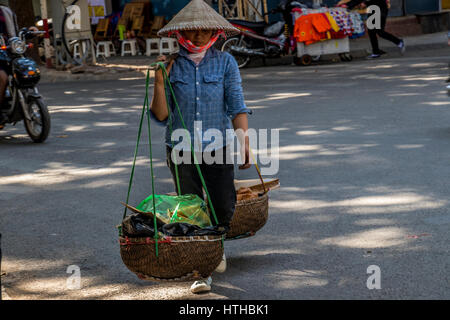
<point x="258" y="26"/>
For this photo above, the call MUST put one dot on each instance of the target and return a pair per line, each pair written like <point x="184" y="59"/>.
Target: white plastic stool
<point x="168" y="46"/>
<point x="105" y="48"/>
<point x="132" y="44"/>
<point x="175" y="45"/>
<point x="149" y="49"/>
<point x="77" y="52"/>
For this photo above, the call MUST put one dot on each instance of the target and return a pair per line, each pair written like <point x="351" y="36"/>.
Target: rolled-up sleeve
<point x="234" y="96"/>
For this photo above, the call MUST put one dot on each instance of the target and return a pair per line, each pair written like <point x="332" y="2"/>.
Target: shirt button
<point x="198" y="98"/>
<point x="197" y="82"/>
<point x="198" y="113"/>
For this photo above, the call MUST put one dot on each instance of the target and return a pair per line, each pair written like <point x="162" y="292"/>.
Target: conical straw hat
<point x="198" y="15"/>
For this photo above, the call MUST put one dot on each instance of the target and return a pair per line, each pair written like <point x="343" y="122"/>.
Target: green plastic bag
<point x="186" y="208"/>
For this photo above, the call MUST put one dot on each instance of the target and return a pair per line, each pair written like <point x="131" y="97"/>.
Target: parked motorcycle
<point x="22" y="99"/>
<point x="259" y="39"/>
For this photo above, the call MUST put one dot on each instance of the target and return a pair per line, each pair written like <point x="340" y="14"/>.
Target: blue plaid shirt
<point x="209" y="95"/>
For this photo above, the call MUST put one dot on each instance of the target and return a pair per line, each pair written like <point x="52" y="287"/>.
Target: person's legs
<point x="386" y="35"/>
<point x="219" y="179"/>
<point x="373" y="33"/>
<point x="190" y="182"/>
<point x="374" y="41"/>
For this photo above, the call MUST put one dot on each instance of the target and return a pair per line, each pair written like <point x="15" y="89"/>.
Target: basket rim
<point x="124" y="240"/>
<point x="261" y="198"/>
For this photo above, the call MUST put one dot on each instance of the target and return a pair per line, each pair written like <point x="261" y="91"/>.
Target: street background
<point x="364" y="172"/>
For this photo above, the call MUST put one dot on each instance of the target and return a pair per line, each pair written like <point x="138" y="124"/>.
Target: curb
<point x="52" y="76"/>
<point x="362" y="53"/>
<point x="357" y="54"/>
<point x="361" y="48"/>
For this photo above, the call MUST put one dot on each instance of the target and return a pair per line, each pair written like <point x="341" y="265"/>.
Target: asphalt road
<point x="364" y="168"/>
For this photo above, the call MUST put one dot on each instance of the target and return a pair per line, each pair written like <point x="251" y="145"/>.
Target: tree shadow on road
<point x="358" y="180"/>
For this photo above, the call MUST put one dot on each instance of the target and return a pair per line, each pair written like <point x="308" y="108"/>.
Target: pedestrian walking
<point x="207" y="86"/>
<point x="373" y="33"/>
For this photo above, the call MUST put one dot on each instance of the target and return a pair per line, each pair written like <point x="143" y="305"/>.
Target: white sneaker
<point x="201" y="286"/>
<point x="222" y="267"/>
<point x="374" y="56"/>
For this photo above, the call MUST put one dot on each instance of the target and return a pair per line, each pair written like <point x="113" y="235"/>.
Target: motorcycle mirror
<point x="296" y="4"/>
<point x="22" y="32"/>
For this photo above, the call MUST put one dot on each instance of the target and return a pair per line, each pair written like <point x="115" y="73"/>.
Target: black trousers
<point x="383" y="34"/>
<point x="219" y="180"/>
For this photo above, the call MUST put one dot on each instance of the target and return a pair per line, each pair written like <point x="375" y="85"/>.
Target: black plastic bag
<point x="138" y="225"/>
<point x="186" y="229"/>
<point x="213" y="230"/>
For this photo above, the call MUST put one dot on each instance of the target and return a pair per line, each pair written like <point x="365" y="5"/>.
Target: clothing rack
<point x="307" y="53"/>
<point x="311" y="11"/>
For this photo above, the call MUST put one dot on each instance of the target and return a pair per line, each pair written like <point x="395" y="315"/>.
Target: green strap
<point x="169" y="119"/>
<point x="151" y="161"/>
<point x="134" y="159"/>
<point x="145" y="109"/>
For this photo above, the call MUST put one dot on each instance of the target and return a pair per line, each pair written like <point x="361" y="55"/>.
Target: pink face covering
<point x="197" y="57"/>
<point x="189" y="46"/>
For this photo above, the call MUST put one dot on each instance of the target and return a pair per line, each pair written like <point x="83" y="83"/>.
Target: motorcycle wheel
<point x="39" y="126"/>
<point x="242" y="61"/>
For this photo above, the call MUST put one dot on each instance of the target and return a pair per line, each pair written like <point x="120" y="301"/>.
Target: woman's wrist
<point x="159" y="85"/>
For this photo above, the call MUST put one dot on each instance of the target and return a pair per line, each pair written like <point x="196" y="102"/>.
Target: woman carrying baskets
<point x="208" y="90"/>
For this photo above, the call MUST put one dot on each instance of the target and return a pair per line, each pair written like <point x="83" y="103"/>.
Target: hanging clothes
<point x="333" y="23"/>
<point x="358" y="27"/>
<point x="311" y="28"/>
<point x="343" y="20"/>
<point x="334" y="28"/>
<point x="316" y="25"/>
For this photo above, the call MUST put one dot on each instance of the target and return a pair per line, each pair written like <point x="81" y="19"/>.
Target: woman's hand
<point x="159" y="79"/>
<point x="240" y="124"/>
<point x="159" y="103"/>
<point x="246" y="151"/>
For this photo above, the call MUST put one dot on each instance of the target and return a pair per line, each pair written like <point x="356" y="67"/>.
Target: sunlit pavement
<point x="364" y="167"/>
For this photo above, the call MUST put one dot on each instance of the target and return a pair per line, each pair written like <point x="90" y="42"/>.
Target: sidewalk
<point x="116" y="68"/>
<point x="361" y="47"/>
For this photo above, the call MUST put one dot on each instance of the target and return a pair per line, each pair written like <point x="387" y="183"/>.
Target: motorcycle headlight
<point x="17" y="46"/>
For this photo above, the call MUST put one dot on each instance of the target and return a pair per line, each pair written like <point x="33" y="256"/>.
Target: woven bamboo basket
<point x="249" y="216"/>
<point x="252" y="214"/>
<point x="179" y="258"/>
